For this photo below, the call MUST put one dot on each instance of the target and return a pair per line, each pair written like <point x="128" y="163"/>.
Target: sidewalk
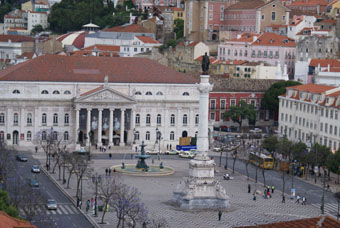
<point x="157" y="191"/>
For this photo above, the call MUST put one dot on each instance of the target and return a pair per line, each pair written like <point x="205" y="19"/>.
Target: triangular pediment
<point x="106" y="95"/>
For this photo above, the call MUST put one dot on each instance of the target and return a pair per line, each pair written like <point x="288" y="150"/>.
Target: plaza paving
<point x="157" y="191"/>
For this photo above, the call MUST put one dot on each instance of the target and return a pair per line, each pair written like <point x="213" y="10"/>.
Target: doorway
<point x="15" y="137"/>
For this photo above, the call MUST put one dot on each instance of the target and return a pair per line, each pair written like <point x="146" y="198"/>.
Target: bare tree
<point x="72" y="160"/>
<point x="45" y="139"/>
<point x="7" y="165"/>
<point x="81" y="169"/>
<point x="31" y="204"/>
<point x="234" y="159"/>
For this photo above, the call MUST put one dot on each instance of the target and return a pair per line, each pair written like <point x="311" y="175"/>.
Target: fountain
<point x="141" y="165"/>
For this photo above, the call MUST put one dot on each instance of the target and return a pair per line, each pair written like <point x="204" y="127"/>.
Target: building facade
<point x="310" y="113"/>
<point x="102" y="100"/>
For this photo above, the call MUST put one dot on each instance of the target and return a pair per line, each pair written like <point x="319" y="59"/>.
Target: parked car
<point x="194" y="151"/>
<point x="186" y="154"/>
<point x="35" y="169"/>
<point x="153" y="151"/>
<point x="21" y="157"/>
<point x="34" y="183"/>
<point x="172" y="152"/>
<point x="51" y="204"/>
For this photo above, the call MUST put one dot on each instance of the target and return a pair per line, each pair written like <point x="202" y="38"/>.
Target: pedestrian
<point x="36" y="149"/>
<point x="219" y="215"/>
<point x="110" y="156"/>
<point x="109" y="147"/>
<point x="254" y="196"/>
<point x="297" y="199"/>
<point x="273" y="188"/>
<point x="303" y="200"/>
<point x="106" y="171"/>
<point x="283" y="199"/>
<point x="268" y="194"/>
<point x="109" y="172"/>
<point x="114" y="170"/>
<point x="96" y="146"/>
<point x="87" y="205"/>
<point x="268" y="188"/>
<point x="91" y="202"/>
<point x="107" y="207"/>
<point x="249" y="188"/>
<point x="136" y="149"/>
<point x="170" y="146"/>
<point x="80" y="204"/>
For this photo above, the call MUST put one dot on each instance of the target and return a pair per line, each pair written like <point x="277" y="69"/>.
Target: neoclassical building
<point x="108" y="101"/>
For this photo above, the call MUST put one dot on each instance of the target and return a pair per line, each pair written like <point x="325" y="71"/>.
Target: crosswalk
<point x="330" y="208"/>
<point x="63" y="209"/>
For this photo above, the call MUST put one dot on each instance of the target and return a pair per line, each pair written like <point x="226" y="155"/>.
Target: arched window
<point x="185" y="119"/>
<point x="159" y="93"/>
<point x="66" y="119"/>
<point x="43" y="136"/>
<point x="147" y="136"/>
<point x="55" y="119"/>
<point x="185" y="94"/>
<point x="137" y="119"/>
<point x="66" y="135"/>
<point x="172" y="119"/>
<point x="159" y="119"/>
<point x="148" y="120"/>
<point x="2" y="118"/>
<point x="138" y="93"/>
<point x="148" y="93"/>
<point x="16" y="119"/>
<point x="44" y="92"/>
<point x="56" y="92"/>
<point x="172" y="136"/>
<point x="44" y="119"/>
<point x="55" y="135"/>
<point x="16" y="91"/>
<point x="29" y="136"/>
<point x="137" y="135"/>
<point x="2" y="136"/>
<point x="29" y="119"/>
<point x="197" y="119"/>
<point x="67" y="92"/>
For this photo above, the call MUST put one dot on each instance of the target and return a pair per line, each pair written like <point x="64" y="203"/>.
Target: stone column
<point x="77" y="126"/>
<point x="122" y="126"/>
<point x="100" y="125"/>
<point x="202" y="139"/>
<point x="191" y="121"/>
<point x="88" y="126"/>
<point x="111" y="127"/>
<point x="178" y="124"/>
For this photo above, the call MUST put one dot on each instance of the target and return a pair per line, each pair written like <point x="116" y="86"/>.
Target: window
<point x="212" y="116"/>
<point x="262" y="16"/>
<point x="283" y="18"/>
<point x="65" y="135"/>
<point x="185" y="94"/>
<point x="43" y="136"/>
<point x="331" y="114"/>
<point x="172" y="136"/>
<point x="264" y="54"/>
<point x="273" y="16"/>
<point x="16" y="91"/>
<point x="67" y="92"/>
<point x="15" y="119"/>
<point x="29" y="119"/>
<point x="29" y="136"/>
<point x="232" y="102"/>
<point x="197" y="119"/>
<point x="55" y="119"/>
<point x="185" y="120"/>
<point x="148" y="120"/>
<point x="172" y="120"/>
<point x="44" y="92"/>
<point x="135" y="49"/>
<point x="159" y="93"/>
<point x="137" y="135"/>
<point x="137" y="119"/>
<point x="326" y="113"/>
<point x="44" y="119"/>
<point x="159" y="119"/>
<point x="138" y="93"/>
<point x="66" y="119"/>
<point x="2" y="118"/>
<point x="223" y="104"/>
<point x="335" y="130"/>
<point x="147" y="136"/>
<point x="148" y="93"/>
<point x="330" y="129"/>
<point x="212" y="104"/>
<point x="336" y="115"/>
<point x="56" y="92"/>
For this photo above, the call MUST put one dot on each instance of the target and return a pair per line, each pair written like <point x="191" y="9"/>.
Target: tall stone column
<point x="76" y="134"/>
<point x="111" y="127"/>
<point x="88" y="125"/>
<point x="122" y="127"/>
<point x="100" y="125"/>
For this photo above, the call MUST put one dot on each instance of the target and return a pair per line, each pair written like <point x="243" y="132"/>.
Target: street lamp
<point x="96" y="179"/>
<point x="49" y="142"/>
<point x="90" y="136"/>
<point x="64" y="164"/>
<point x="323" y="192"/>
<point x="316" y="167"/>
<point x="158" y="139"/>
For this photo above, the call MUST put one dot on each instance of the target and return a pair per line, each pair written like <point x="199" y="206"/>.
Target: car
<point x="186" y="154"/>
<point x="35" y="169"/>
<point x="194" y="151"/>
<point x="51" y="204"/>
<point x="153" y="151"/>
<point x="34" y="183"/>
<point x="21" y="157"/>
<point x="172" y="152"/>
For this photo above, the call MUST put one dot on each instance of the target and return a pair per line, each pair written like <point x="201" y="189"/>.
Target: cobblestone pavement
<point x="157" y="191"/>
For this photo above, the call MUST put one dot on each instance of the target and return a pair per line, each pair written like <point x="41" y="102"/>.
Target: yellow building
<point x="178" y="13"/>
<point x="333" y="9"/>
<point x="27" y="6"/>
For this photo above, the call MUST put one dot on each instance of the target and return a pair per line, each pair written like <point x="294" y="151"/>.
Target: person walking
<point x="80" y="203"/>
<point x="265" y="194"/>
<point x="106" y="171"/>
<point x="109" y="172"/>
<point x="249" y="188"/>
<point x="273" y="188"/>
<point x="297" y="199"/>
<point x="110" y="156"/>
<point x="219" y="215"/>
<point x="268" y="188"/>
<point x="268" y="194"/>
<point x="303" y="200"/>
<point x="254" y="196"/>
<point x="136" y="149"/>
<point x="283" y="199"/>
<point x="87" y="205"/>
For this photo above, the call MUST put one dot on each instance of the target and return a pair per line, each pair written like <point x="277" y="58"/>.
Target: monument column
<point x="122" y="126"/>
<point x="88" y="126"/>
<point x="100" y="125"/>
<point x="76" y="134"/>
<point x="111" y="127"/>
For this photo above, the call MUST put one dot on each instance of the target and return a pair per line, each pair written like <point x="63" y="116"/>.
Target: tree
<point x="45" y="139"/>
<point x="333" y="163"/>
<point x="31" y="204"/>
<point x="270" y="143"/>
<point x="81" y="168"/>
<point x="284" y="148"/>
<point x="270" y="100"/>
<point x="7" y="165"/>
<point x="37" y="29"/>
<point x="179" y="28"/>
<point x="240" y="112"/>
<point x="6" y="205"/>
<point x="72" y="161"/>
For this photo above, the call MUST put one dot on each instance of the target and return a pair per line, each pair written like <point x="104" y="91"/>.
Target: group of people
<point x="168" y="146"/>
<point x="303" y="200"/>
<point x="269" y="190"/>
<point x="108" y="172"/>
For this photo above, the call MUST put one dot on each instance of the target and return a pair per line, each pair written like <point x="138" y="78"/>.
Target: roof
<point x="273" y="39"/>
<point x="312" y="88"/>
<point x="128" y="28"/>
<point x="101" y="47"/>
<point x="309" y="3"/>
<point x="324" y="62"/>
<point x="7" y="221"/>
<point x="27" y="55"/>
<point x="16" y="38"/>
<point x="147" y="40"/>
<point x="326" y="222"/>
<point x="76" y="39"/>
<point x="246" y="37"/>
<point x="230" y="62"/>
<point x="211" y="59"/>
<point x="60" y="68"/>
<point x="92" y="91"/>
<point x="191" y="44"/>
<point x="247" y="4"/>
<point x="334" y="94"/>
<point x="224" y="84"/>
<point x="90" y="25"/>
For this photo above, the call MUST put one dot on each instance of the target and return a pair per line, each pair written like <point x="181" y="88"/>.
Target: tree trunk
<point x="283" y="183"/>
<point x="78" y="184"/>
<point x="247" y="163"/>
<point x="234" y="164"/>
<point x="264" y="177"/>
<point x="106" y="203"/>
<point x="55" y="165"/>
<point x="256" y="175"/>
<point x="69" y="178"/>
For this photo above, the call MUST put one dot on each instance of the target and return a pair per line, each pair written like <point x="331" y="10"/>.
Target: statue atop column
<point x="205" y="64"/>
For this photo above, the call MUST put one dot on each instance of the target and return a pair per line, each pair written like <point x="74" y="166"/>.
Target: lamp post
<point x="134" y="136"/>
<point x="64" y="164"/>
<point x="49" y="142"/>
<point x="316" y="159"/>
<point x="226" y="158"/>
<point x="96" y="179"/>
<point x="158" y="139"/>
<point x="90" y="136"/>
<point x="323" y="192"/>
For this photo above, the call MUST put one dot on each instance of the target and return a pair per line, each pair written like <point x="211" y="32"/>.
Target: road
<point x="65" y="216"/>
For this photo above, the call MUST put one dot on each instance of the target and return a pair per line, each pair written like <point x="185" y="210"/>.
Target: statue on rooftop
<point x="205" y="64"/>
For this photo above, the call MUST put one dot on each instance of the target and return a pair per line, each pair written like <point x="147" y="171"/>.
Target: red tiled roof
<point x="128" y="28"/>
<point x="332" y="69"/>
<point x="147" y="40"/>
<point x="16" y="38"/>
<point x="16" y="28"/>
<point x="231" y="62"/>
<point x="59" y="68"/>
<point x="210" y="58"/>
<point x="247" y="4"/>
<point x="101" y="47"/>
<point x="335" y="94"/>
<point x="327" y="222"/>
<point x="7" y="221"/>
<point x="245" y="37"/>
<point x="273" y="39"/>
<point x="324" y="62"/>
<point x="28" y="55"/>
<point x="313" y="88"/>
<point x="309" y="3"/>
<point x="78" y="38"/>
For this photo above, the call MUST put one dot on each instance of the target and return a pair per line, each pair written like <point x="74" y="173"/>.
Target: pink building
<point x="270" y="48"/>
<point x="148" y="4"/>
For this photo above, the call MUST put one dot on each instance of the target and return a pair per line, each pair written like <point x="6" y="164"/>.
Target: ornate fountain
<point x="141" y="164"/>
